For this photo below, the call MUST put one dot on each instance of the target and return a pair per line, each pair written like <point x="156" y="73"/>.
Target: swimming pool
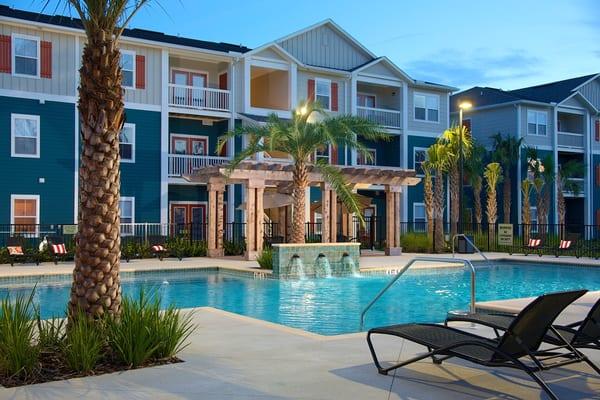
<point x="333" y="306"/>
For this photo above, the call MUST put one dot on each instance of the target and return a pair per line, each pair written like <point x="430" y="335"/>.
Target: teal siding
<point x="187" y="126"/>
<point x="388" y="153"/>
<point x="141" y="179"/>
<point x="187" y="193"/>
<point x="595" y="191"/>
<point x="55" y="165"/>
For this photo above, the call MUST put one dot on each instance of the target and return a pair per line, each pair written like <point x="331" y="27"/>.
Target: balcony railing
<point x="569" y="139"/>
<point x="381" y="116"/>
<point x="198" y="98"/>
<point x="183" y="164"/>
<point x="580" y="182"/>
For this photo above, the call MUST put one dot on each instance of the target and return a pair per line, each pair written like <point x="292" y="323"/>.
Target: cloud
<point x="474" y="67"/>
<point x="597" y="53"/>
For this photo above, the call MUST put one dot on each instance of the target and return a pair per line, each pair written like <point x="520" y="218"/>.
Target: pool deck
<point x="237" y="357"/>
<point x="367" y="262"/>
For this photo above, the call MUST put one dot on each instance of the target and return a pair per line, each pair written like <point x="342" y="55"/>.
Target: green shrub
<point x="234" y="248"/>
<point x="84" y="343"/>
<point x="19" y="355"/>
<point x="51" y="332"/>
<point x="265" y="259"/>
<point x="172" y="328"/>
<point x="415" y="242"/>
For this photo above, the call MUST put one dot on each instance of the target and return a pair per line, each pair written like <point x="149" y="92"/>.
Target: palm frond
<point x="334" y="177"/>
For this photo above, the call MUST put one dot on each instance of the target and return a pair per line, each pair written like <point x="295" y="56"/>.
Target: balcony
<point x="381" y="116"/>
<point x="570" y="140"/>
<point x="198" y="98"/>
<point x="183" y="164"/>
<point x="580" y="184"/>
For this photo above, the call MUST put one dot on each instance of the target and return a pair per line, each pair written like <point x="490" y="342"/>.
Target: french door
<point x="192" y="95"/>
<point x="189" y="218"/>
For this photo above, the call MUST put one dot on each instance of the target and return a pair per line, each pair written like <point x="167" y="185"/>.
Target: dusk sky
<point x="506" y="44"/>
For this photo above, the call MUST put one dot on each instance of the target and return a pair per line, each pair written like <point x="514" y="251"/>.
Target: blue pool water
<point x="333" y="306"/>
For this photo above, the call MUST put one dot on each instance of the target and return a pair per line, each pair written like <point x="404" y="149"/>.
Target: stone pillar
<point x="215" y="219"/>
<point x="333" y="216"/>
<point x="254" y="218"/>
<point x="392" y="198"/>
<point x="329" y="212"/>
<point x="288" y="223"/>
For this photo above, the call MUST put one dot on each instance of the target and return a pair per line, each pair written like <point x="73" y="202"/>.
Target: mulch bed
<point x="53" y="368"/>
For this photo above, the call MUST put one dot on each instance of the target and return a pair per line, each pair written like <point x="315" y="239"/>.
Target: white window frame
<point x="132" y="53"/>
<point x="415" y="150"/>
<point x="426" y="95"/>
<point x="373" y="152"/>
<point x="415" y="222"/>
<point x="328" y="82"/>
<point x="317" y="156"/>
<point x="367" y="95"/>
<point x="132" y="127"/>
<point x="537" y="124"/>
<point x="35" y="197"/>
<point x="13" y="118"/>
<point x="128" y="232"/>
<point x="14" y="55"/>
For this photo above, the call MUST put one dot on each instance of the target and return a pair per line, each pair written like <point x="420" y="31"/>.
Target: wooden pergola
<point x="256" y="175"/>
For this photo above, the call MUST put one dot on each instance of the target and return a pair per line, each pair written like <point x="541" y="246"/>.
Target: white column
<point x="588" y="189"/>
<point x="76" y="177"/>
<point x="353" y="94"/>
<point x="164" y="137"/>
<point x="405" y="149"/>
<point x="555" y="147"/>
<point x="293" y="91"/>
<point x="519" y="167"/>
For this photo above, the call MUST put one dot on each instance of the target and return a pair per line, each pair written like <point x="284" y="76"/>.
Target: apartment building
<point x="181" y="94"/>
<point x="558" y="118"/>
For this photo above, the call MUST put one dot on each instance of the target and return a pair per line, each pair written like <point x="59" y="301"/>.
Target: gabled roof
<point x="553" y="92"/>
<point x="74" y="23"/>
<point x="329" y="22"/>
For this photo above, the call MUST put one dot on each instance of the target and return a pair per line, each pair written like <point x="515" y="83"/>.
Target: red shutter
<point x="597" y="175"/>
<point x="140" y="72"/>
<point x="311" y="90"/>
<point x="46" y="60"/>
<point x="5" y="61"/>
<point x="334" y="154"/>
<point x="598" y="130"/>
<point x="223" y="152"/>
<point x="334" y="96"/>
<point x="223" y="81"/>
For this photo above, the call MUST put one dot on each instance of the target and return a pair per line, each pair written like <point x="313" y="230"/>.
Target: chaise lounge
<point x="518" y="347"/>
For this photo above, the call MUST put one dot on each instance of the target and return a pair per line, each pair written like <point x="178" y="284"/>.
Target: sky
<point x="499" y="43"/>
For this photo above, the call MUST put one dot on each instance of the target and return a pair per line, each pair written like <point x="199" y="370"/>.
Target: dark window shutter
<point x="223" y="81"/>
<point x="223" y="152"/>
<point x="598" y="130"/>
<point x="334" y="96"/>
<point x="5" y="56"/>
<point x="140" y="72"/>
<point x="598" y="175"/>
<point x="598" y="217"/>
<point x="311" y="90"/>
<point x="46" y="60"/>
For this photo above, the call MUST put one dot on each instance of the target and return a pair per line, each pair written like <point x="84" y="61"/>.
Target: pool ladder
<point x="453" y="260"/>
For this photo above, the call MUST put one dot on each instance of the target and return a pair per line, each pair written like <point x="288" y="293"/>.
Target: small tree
<point x="473" y="170"/>
<point x="437" y="155"/>
<point x="493" y="176"/>
<point x="310" y="130"/>
<point x="506" y="152"/>
<point x="428" y="197"/>
<point x="526" y="188"/>
<point x="565" y="183"/>
<point x="457" y="139"/>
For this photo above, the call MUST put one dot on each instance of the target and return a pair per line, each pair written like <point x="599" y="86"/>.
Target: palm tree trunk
<point x="299" y="197"/>
<point x="428" y="196"/>
<point x="492" y="213"/>
<point x="96" y="285"/>
<point x="454" y="200"/>
<point x="526" y="217"/>
<point x="506" y="194"/>
<point x="438" y="211"/>
<point x="560" y="204"/>
<point x="477" y="205"/>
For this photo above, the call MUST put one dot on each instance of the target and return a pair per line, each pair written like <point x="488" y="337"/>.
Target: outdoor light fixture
<point x="465" y="105"/>
<point x="303" y="110"/>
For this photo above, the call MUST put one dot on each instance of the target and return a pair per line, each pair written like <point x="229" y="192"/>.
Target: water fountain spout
<point x="323" y="266"/>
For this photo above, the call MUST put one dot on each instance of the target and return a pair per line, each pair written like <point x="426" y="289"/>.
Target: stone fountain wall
<point x="309" y="252"/>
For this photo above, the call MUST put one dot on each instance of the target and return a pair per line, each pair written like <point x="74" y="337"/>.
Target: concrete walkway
<point x="235" y="357"/>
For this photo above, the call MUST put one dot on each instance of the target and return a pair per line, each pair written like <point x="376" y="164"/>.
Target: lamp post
<point x="464" y="105"/>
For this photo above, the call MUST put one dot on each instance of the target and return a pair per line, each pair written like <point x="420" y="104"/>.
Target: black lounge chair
<point x="15" y="247"/>
<point x="581" y="334"/>
<point x="518" y="347"/>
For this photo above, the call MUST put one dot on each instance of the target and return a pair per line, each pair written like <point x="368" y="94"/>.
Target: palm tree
<point x="526" y="187"/>
<point x="96" y="285"/>
<point x="438" y="159"/>
<point x="543" y="174"/>
<point x="428" y="196"/>
<point x="506" y="152"/>
<point x="473" y="169"/>
<point x="493" y="176"/>
<point x="566" y="172"/>
<point x="452" y="138"/>
<point x="309" y="130"/>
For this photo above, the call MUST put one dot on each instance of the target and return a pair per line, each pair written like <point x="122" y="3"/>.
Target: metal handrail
<point x="465" y="262"/>
<point x="472" y="244"/>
